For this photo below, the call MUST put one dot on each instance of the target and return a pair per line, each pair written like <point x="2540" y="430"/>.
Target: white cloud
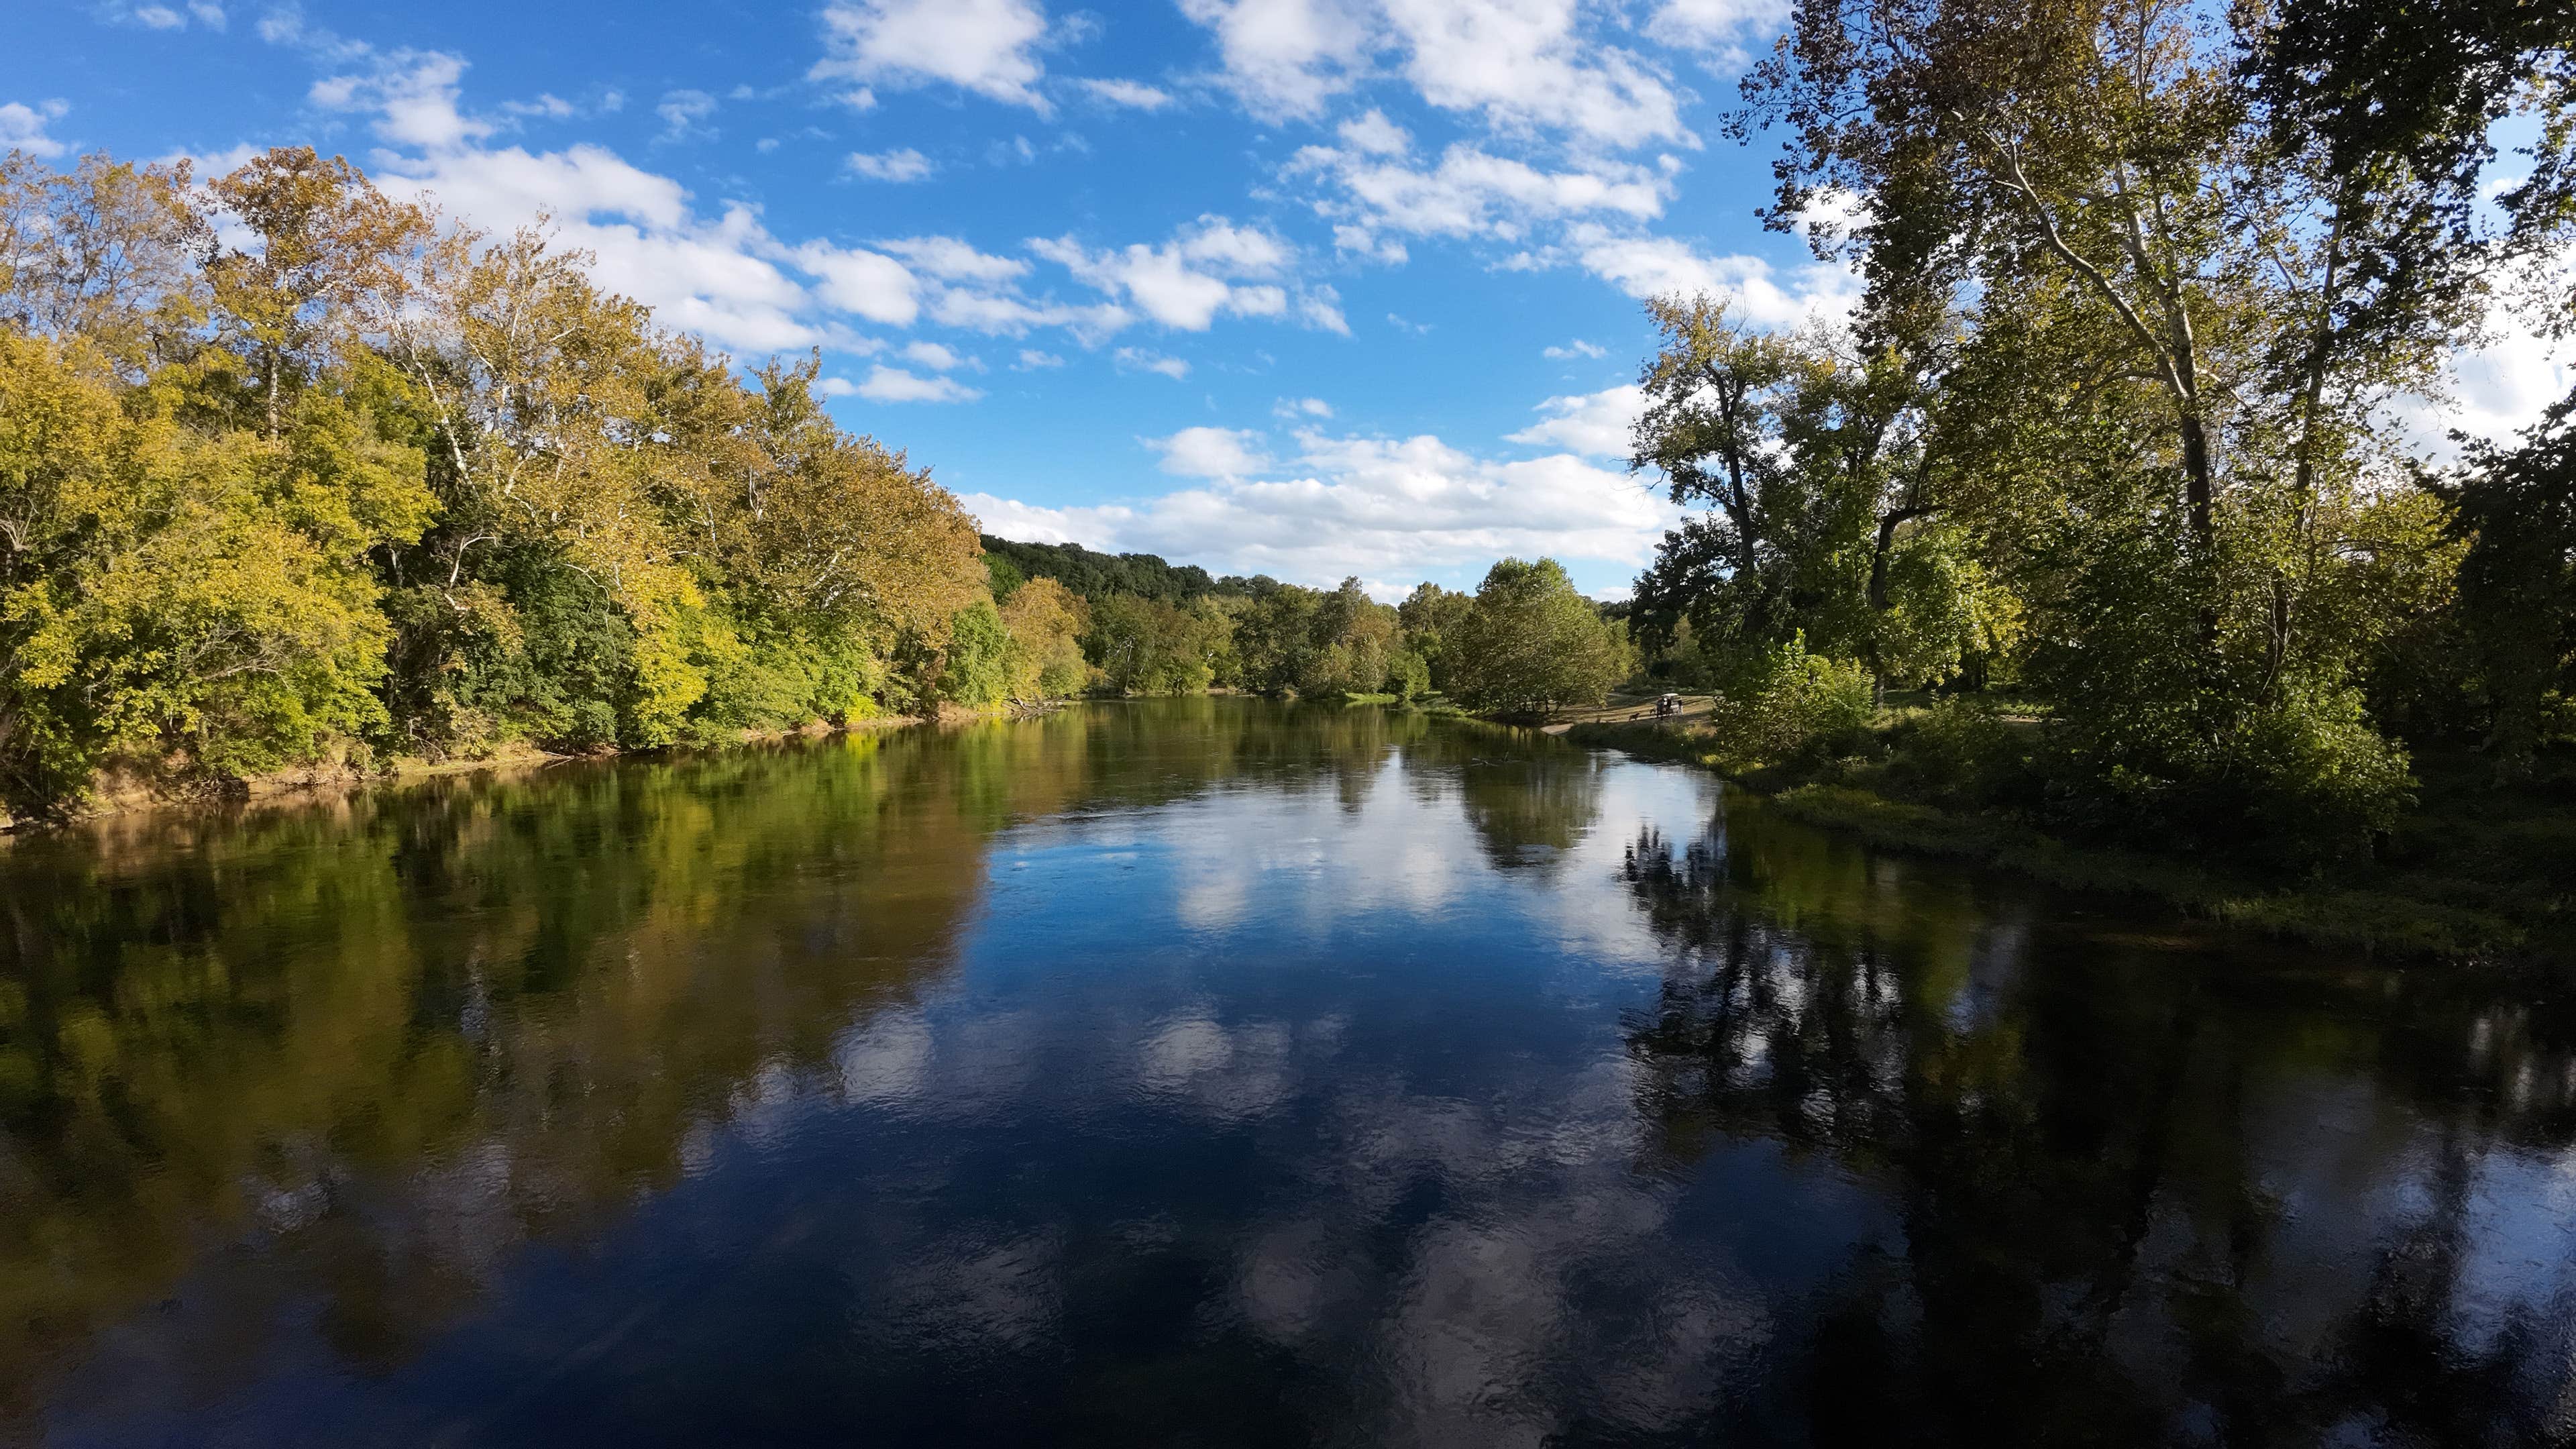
<point x="1285" y="58"/>
<point x="1381" y="508"/>
<point x="414" y="94"/>
<point x="904" y="165"/>
<point x="2493" y="391"/>
<point x="1135" y="95"/>
<point x="1301" y="407"/>
<point x="939" y="357"/>
<point x="1374" y="135"/>
<point x="1520" y="65"/>
<point x="1209" y="267"/>
<point x="988" y="47"/>
<point x="1577" y="348"/>
<point x="681" y="111"/>
<point x="1647" y="266"/>
<point x="156" y="16"/>
<point x="1523" y="64"/>
<point x="951" y="260"/>
<point x="893" y="384"/>
<point x="1140" y="360"/>
<point x="861" y="283"/>
<point x="547" y="104"/>
<point x="723" y="275"/>
<point x="1471" y="193"/>
<point x="1595" y="425"/>
<point x="1211" y="452"/>
<point x="1031" y="360"/>
<point x="1719" y="29"/>
<point x="22" y="127"/>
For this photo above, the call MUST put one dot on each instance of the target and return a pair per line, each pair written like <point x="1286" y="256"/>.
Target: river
<point x="1221" y="1072"/>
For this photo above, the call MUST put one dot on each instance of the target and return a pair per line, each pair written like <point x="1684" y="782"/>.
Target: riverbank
<point x="2473" y="874"/>
<point x="120" y="791"/>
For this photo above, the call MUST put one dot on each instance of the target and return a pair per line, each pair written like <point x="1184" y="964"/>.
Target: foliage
<point x="1147" y="646"/>
<point x="1784" y="701"/>
<point x="1432" y="618"/>
<point x="290" y="474"/>
<point x="2517" y="506"/>
<point x="1531" y="644"/>
<point x="1292" y="640"/>
<point x="1095" y="575"/>
<point x="2112" y="418"/>
<point x="1046" y="624"/>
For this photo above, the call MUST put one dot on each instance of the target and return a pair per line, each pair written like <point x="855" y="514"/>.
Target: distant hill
<point x="1094" y="575"/>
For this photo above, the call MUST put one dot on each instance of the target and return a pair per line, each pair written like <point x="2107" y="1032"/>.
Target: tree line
<point x="296" y="473"/>
<point x="1526" y="641"/>
<point x="2116" y="431"/>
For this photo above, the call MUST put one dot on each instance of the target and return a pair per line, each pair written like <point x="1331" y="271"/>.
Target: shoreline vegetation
<point x="300" y="481"/>
<point x="2469" y="874"/>
<point x="2100" y="536"/>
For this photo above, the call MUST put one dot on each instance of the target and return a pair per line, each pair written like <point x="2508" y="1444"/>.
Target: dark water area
<point x="1217" y="1072"/>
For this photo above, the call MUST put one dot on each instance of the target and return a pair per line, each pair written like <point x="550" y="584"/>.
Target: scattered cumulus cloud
<point x="987" y="47"/>
<point x="1647" y="266"/>
<point x="1301" y="407"/>
<point x="1207" y="268"/>
<point x="1469" y="193"/>
<point x="1134" y="95"/>
<point x="413" y="94"/>
<point x="894" y="384"/>
<point x="1032" y="360"/>
<point x="1137" y="359"/>
<point x="1591" y="425"/>
<point x="154" y="15"/>
<point x="1722" y="31"/>
<point x="1520" y="66"/>
<point x="903" y="165"/>
<point x="951" y="260"/>
<point x="940" y="357"/>
<point x="1377" y="507"/>
<point x="23" y="127"/>
<point x="1211" y="453"/>
<point x="683" y="111"/>
<point x="1577" y="348"/>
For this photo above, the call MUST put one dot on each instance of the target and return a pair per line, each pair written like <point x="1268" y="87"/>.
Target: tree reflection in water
<point x="2143" y="1191"/>
<point x="1217" y="1068"/>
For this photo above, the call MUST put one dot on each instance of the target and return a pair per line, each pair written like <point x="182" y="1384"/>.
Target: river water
<point x="1220" y="1072"/>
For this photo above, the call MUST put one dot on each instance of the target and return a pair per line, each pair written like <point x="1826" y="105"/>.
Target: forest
<point x="295" y="476"/>
<point x="2120" y="505"/>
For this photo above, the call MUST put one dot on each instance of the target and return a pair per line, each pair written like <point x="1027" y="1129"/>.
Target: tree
<point x="334" y="258"/>
<point x="1532" y="644"/>
<point x="1046" y="622"/>
<point x="105" y="253"/>
<point x="1432" y="617"/>
<point x="2517" y="507"/>
<point x="1147" y="646"/>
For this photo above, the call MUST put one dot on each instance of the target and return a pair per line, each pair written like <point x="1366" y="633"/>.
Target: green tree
<point x="1533" y="644"/>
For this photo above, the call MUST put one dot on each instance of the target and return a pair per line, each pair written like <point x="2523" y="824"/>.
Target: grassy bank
<point x="2473" y="873"/>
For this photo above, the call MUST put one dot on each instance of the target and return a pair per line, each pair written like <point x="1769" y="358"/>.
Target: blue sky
<point x="1305" y="287"/>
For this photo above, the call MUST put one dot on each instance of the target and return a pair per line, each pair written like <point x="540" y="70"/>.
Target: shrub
<point x="1782" y="702"/>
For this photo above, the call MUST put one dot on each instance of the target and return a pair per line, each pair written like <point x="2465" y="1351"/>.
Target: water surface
<point x="1217" y="1072"/>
